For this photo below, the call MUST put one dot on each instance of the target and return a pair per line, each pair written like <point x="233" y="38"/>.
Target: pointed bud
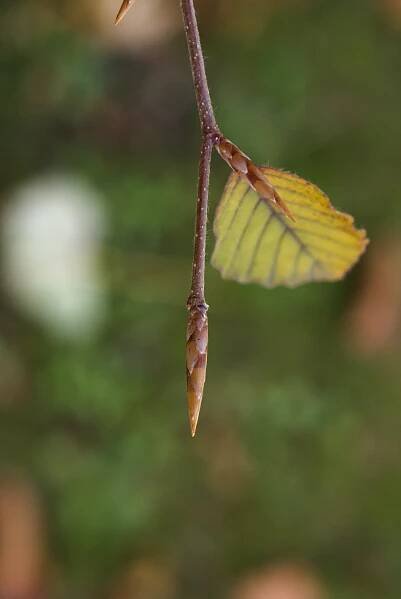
<point x="196" y="358"/>
<point x="225" y="148"/>
<point x="240" y="163"/>
<point x="260" y="184"/>
<point x="125" y="6"/>
<point x="283" y="207"/>
<point x="229" y="152"/>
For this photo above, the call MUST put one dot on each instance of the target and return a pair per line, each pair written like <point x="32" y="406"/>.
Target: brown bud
<point x="225" y="148"/>
<point x="196" y="357"/>
<point x="229" y="152"/>
<point x="240" y="163"/>
<point x="260" y="184"/>
<point x="125" y="6"/>
<point x="283" y="206"/>
<point x="265" y="189"/>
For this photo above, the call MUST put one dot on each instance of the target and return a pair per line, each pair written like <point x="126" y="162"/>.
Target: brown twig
<point x="197" y="330"/>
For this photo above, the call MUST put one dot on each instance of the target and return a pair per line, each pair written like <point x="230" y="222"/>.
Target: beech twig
<point x="197" y="329"/>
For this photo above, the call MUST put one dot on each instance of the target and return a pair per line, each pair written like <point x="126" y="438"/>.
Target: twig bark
<point x="205" y="108"/>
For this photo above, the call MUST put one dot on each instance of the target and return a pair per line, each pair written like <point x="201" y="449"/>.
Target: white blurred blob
<point x="51" y="233"/>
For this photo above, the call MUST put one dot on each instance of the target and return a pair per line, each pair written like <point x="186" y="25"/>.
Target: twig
<point x="205" y="108"/>
<point x="197" y="330"/>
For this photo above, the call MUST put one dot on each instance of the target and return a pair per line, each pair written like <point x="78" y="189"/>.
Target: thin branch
<point x="205" y="108"/>
<point x="197" y="331"/>
<point x="197" y="295"/>
<point x="210" y="135"/>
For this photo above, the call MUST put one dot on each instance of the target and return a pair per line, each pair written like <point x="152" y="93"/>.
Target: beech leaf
<point x="256" y="242"/>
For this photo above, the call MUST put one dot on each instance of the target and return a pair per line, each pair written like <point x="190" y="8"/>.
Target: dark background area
<point x="294" y="476"/>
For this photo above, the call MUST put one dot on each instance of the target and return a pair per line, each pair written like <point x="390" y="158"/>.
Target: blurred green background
<point x="295" y="472"/>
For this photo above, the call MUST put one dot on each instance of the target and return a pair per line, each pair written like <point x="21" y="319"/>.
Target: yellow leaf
<point x="256" y="243"/>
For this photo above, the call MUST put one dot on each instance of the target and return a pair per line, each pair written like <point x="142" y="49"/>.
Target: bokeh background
<point x="292" y="488"/>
